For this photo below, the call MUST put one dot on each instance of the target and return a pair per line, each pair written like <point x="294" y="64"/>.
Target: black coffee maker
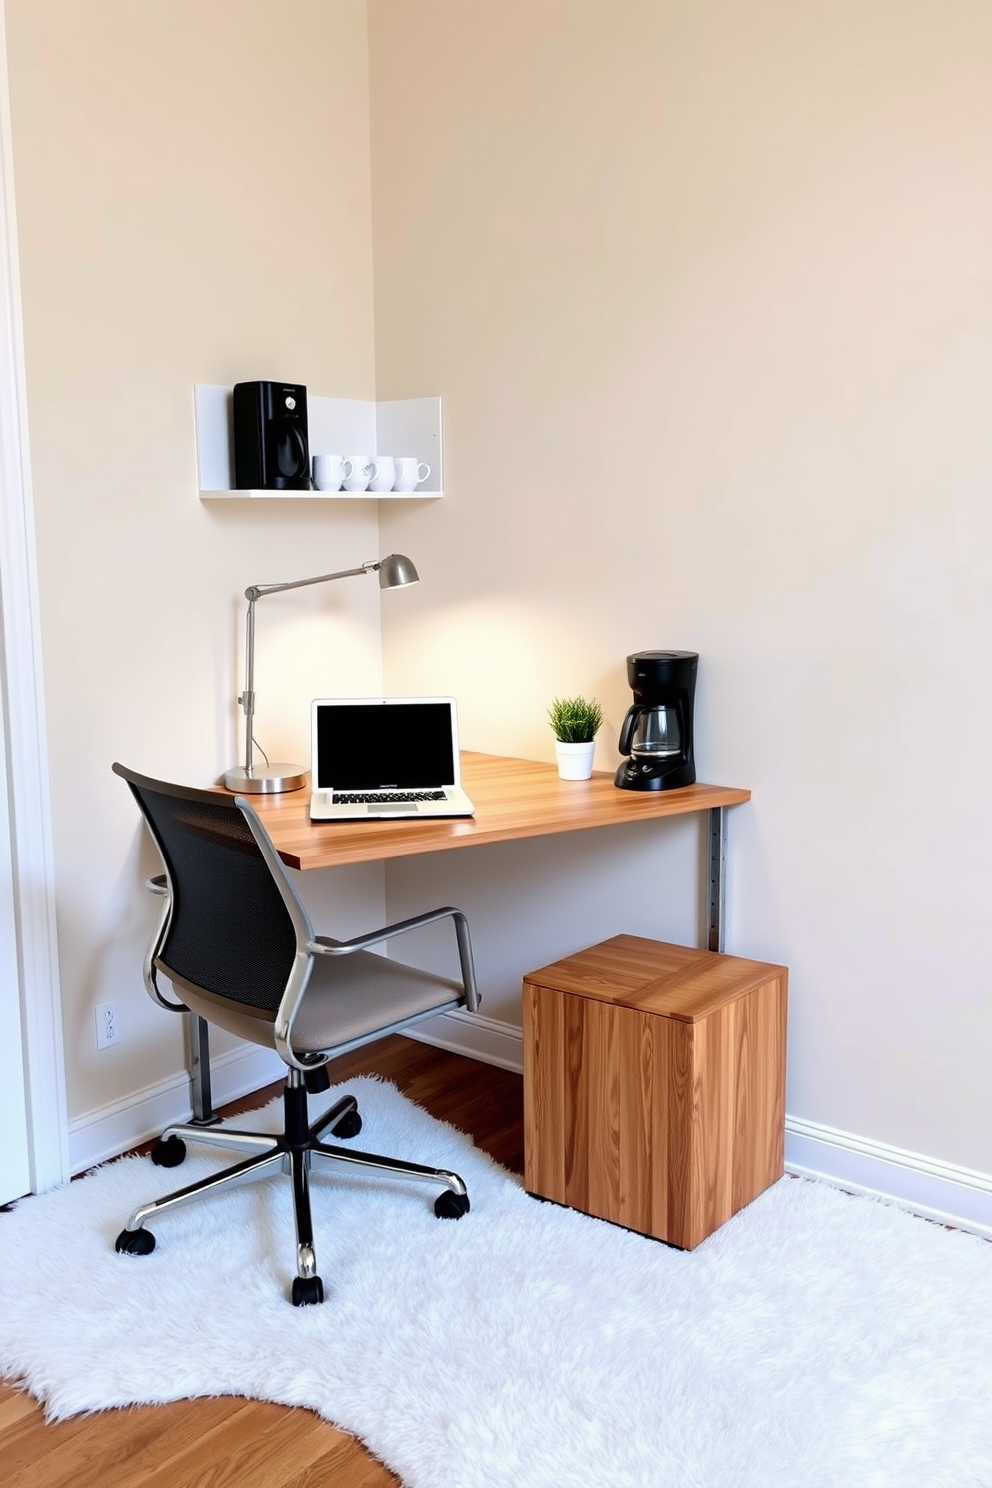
<point x="271" y="445"/>
<point x="657" y="731"/>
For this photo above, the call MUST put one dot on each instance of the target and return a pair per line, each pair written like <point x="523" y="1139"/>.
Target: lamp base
<point x="267" y="780"/>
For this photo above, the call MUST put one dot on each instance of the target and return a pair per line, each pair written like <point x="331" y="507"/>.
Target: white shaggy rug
<point x="815" y="1341"/>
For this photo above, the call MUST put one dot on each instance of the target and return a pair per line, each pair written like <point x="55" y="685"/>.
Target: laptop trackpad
<point x="402" y="807"/>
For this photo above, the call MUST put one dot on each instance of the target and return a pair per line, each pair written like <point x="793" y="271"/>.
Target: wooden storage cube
<point x="654" y="1084"/>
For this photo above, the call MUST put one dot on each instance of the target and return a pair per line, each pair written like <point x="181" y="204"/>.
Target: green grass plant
<point x="575" y="720"/>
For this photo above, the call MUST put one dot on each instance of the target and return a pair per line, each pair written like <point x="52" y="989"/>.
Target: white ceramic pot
<point x="575" y="760"/>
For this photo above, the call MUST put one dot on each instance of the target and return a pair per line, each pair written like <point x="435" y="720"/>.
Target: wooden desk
<point x="513" y="799"/>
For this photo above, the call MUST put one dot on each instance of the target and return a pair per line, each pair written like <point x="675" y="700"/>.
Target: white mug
<point x="409" y="472"/>
<point x="363" y="469"/>
<point x="329" y="471"/>
<point x="385" y="473"/>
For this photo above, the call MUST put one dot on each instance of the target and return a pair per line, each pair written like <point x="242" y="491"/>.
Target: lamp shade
<point x="397" y="570"/>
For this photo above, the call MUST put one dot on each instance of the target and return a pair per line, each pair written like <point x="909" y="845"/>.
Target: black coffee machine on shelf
<point x="657" y="731"/>
<point x="271" y="443"/>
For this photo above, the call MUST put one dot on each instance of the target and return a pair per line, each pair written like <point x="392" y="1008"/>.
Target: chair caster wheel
<point x="349" y="1125"/>
<point x="307" y="1291"/>
<point x="168" y="1152"/>
<point x="451" y="1205"/>
<point x="135" y="1242"/>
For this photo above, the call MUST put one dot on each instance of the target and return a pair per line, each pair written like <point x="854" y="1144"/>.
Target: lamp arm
<point x="395" y="571"/>
<point x="247" y="698"/>
<point x="256" y="591"/>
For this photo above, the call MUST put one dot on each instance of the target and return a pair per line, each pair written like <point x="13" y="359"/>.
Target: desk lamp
<point x="394" y="572"/>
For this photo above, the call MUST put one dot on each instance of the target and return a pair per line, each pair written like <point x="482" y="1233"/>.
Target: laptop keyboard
<point x="372" y="798"/>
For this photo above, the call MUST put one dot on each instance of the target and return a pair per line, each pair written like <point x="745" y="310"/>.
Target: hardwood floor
<point x="233" y="1443"/>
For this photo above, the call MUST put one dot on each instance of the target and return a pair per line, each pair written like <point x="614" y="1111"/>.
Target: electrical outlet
<point x="108" y="1025"/>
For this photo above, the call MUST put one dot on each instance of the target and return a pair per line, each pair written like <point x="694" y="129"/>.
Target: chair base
<point x="296" y="1151"/>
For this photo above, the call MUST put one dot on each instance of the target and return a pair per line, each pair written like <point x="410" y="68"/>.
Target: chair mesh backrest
<point x="230" y="930"/>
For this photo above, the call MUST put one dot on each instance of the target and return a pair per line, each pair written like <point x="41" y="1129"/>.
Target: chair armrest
<point x="159" y="886"/>
<point x="323" y="945"/>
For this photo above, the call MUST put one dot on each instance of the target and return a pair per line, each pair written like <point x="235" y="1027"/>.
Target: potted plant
<point x="574" y="722"/>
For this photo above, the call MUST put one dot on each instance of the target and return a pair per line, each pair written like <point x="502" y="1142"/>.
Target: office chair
<point x="237" y="944"/>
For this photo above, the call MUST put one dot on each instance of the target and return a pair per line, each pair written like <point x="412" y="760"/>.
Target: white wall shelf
<point x="337" y="426"/>
<point x="252" y="495"/>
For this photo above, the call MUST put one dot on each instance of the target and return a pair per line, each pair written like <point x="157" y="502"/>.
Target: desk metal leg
<point x="717" y="886"/>
<point x="199" y="1072"/>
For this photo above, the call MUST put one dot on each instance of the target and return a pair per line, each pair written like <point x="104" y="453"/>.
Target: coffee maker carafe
<point x="657" y="731"/>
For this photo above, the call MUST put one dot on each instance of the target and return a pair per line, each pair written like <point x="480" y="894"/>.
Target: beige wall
<point x="707" y="291"/>
<point x="193" y="206"/>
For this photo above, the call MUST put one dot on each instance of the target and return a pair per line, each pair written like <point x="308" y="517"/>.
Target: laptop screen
<point x="384" y="744"/>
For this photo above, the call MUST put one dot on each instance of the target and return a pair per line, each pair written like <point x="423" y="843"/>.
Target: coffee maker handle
<point x="627" y="728"/>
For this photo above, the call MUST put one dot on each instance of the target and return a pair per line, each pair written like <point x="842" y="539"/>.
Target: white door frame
<point x="24" y="721"/>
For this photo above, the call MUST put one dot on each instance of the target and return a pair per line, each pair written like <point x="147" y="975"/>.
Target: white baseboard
<point x="111" y="1130"/>
<point x="475" y="1036"/>
<point x="936" y="1190"/>
<point x="939" y="1191"/>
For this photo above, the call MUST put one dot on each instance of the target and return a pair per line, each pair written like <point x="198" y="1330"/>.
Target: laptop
<point x="385" y="757"/>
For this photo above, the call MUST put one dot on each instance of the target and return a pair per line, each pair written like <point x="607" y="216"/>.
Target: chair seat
<point x="377" y="991"/>
<point x="347" y="999"/>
